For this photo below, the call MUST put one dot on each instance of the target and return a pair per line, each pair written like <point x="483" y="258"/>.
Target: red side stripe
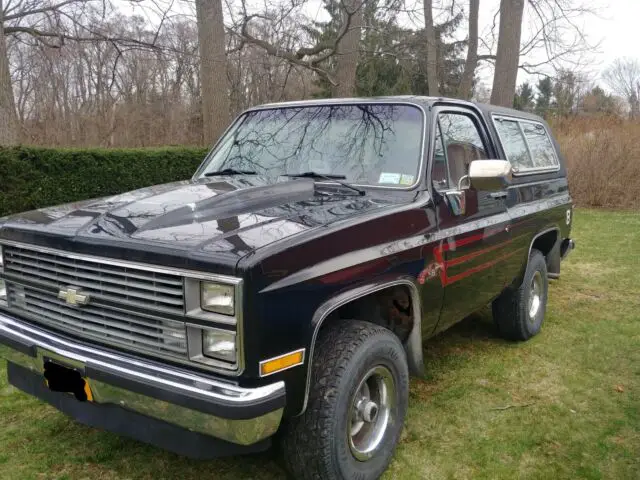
<point x="479" y="268"/>
<point x="464" y="258"/>
<point x="460" y="243"/>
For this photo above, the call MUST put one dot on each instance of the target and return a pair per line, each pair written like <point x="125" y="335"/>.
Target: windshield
<point x="370" y="144"/>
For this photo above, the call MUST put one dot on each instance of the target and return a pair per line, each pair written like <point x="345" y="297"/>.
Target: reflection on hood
<point x="236" y="215"/>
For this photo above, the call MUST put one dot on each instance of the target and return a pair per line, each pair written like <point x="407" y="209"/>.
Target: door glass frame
<point x="438" y="130"/>
<point x="481" y="126"/>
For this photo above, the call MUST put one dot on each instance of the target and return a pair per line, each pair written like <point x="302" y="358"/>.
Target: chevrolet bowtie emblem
<point x="73" y="296"/>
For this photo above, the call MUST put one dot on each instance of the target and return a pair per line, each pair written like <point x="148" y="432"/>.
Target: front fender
<point x="413" y="344"/>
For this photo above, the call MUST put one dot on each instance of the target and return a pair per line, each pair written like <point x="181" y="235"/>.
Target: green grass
<point x="563" y="405"/>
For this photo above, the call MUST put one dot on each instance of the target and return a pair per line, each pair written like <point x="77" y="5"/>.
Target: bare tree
<point x="85" y="74"/>
<point x="623" y="77"/>
<point x="557" y="35"/>
<point x="89" y="93"/>
<point x="432" y="51"/>
<point x="348" y="49"/>
<point x="255" y="75"/>
<point x="304" y="51"/>
<point x="52" y="24"/>
<point x="508" y="54"/>
<point x="8" y="119"/>
<point x="213" y="69"/>
<point x="471" y="62"/>
<point x="554" y="38"/>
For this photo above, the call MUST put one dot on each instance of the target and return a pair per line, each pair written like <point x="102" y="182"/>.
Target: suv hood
<point x="210" y="220"/>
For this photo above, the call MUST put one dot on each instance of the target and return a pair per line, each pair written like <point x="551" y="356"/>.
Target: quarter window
<point x="514" y="145"/>
<point x="542" y="149"/>
<point x="526" y="145"/>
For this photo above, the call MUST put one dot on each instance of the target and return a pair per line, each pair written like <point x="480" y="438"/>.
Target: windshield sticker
<point x="386" y="177"/>
<point x="406" y="179"/>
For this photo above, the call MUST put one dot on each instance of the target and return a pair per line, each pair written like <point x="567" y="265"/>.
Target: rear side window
<point x="526" y="144"/>
<point x="542" y="151"/>
<point x="513" y="144"/>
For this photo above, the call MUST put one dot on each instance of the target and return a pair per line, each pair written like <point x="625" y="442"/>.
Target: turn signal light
<point x="283" y="362"/>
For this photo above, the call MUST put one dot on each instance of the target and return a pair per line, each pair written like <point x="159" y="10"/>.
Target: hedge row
<point x="35" y="177"/>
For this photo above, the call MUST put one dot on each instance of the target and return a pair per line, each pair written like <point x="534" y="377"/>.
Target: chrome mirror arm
<point x="463" y="179"/>
<point x="457" y="202"/>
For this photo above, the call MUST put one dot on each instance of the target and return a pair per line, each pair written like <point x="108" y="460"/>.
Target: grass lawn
<point x="564" y="405"/>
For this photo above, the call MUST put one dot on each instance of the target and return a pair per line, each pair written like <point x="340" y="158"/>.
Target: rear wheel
<point x="356" y="408"/>
<point x="519" y="313"/>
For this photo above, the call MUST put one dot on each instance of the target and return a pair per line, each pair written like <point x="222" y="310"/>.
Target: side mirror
<point x="490" y="175"/>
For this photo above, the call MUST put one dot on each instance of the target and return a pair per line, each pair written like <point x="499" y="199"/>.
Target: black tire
<point x="511" y="310"/>
<point x="316" y="445"/>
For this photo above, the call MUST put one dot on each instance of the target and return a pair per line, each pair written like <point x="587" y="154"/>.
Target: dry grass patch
<point x="603" y="158"/>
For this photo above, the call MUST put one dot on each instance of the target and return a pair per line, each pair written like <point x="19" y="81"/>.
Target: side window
<point x="542" y="150"/>
<point x="526" y="144"/>
<point x="458" y="143"/>
<point x="513" y="144"/>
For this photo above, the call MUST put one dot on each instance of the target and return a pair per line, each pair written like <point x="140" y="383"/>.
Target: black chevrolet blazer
<point x="288" y="286"/>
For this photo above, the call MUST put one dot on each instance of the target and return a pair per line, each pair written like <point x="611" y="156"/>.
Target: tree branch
<point x="50" y="8"/>
<point x="96" y="37"/>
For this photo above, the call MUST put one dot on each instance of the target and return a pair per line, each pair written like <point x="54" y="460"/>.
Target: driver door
<point x="475" y="231"/>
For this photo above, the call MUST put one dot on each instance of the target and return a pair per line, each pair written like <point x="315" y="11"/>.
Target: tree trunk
<point x="214" y="84"/>
<point x="634" y="107"/>
<point x="471" y="63"/>
<point x="432" y="51"/>
<point x="8" y="118"/>
<point x="348" y="50"/>
<point x="508" y="54"/>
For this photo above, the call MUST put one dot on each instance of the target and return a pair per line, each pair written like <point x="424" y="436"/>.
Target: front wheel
<point x="356" y="408"/>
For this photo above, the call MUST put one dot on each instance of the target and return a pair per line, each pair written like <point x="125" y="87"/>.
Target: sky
<point x="618" y="30"/>
<point x="613" y="32"/>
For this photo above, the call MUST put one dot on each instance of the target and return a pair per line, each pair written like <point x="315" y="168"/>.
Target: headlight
<point x="214" y="337"/>
<point x="217" y="297"/>
<point x="219" y="344"/>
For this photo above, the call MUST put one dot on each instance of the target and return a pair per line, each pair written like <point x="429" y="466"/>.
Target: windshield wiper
<point x="326" y="176"/>
<point x="230" y="171"/>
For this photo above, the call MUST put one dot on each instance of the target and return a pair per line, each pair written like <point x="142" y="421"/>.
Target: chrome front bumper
<point x="242" y="416"/>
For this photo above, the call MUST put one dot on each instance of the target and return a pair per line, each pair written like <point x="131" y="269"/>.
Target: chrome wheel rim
<point x="535" y="296"/>
<point x="370" y="413"/>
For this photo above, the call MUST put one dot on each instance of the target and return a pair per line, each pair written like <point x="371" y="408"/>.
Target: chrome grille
<point x="124" y="285"/>
<point x="129" y="307"/>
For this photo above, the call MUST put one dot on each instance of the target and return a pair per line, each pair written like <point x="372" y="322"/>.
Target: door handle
<point x="498" y="195"/>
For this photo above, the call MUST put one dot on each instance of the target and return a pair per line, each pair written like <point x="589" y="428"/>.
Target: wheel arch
<point x="546" y="241"/>
<point x="412" y="344"/>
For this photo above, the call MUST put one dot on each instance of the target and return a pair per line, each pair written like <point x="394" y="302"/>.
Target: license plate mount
<point x="60" y="378"/>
